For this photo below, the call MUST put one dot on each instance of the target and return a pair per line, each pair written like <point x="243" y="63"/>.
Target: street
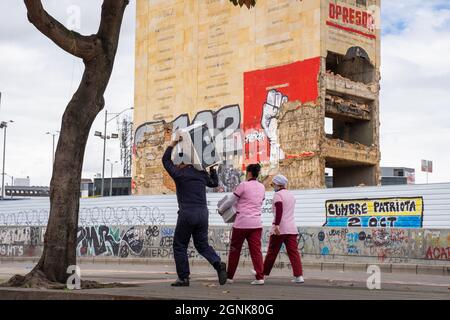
<point x="153" y="282"/>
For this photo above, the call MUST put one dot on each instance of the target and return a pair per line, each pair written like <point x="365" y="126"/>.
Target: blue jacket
<point x="191" y="183"/>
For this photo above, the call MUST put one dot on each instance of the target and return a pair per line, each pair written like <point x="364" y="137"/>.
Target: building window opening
<point x="355" y="65"/>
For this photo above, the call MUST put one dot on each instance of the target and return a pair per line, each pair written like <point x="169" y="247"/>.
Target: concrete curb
<point x="34" y="294"/>
<point x="443" y="270"/>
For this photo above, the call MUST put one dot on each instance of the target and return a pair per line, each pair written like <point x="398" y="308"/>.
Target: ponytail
<point x="254" y="169"/>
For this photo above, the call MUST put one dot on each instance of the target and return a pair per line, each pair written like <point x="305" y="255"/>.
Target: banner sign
<point x="427" y="166"/>
<point x="375" y="213"/>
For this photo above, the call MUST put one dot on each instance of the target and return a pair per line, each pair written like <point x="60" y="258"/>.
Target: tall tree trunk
<point x="98" y="53"/>
<point x="60" y="242"/>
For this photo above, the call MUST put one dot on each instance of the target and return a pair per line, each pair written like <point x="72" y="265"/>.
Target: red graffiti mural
<point x="438" y="253"/>
<point x="264" y="93"/>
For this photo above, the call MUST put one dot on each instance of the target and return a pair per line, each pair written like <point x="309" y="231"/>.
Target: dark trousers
<point x="192" y="223"/>
<point x="253" y="237"/>
<point x="290" y="241"/>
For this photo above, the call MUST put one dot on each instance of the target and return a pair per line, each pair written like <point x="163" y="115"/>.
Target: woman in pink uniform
<point x="284" y="230"/>
<point x="248" y="198"/>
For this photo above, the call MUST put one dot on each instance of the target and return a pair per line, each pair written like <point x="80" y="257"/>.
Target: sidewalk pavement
<point x="419" y="268"/>
<point x="153" y="282"/>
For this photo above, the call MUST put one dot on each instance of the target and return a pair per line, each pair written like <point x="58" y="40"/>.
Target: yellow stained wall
<point x="191" y="55"/>
<point x="338" y="41"/>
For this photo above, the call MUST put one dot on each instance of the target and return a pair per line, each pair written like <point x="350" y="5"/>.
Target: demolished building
<point x="272" y="75"/>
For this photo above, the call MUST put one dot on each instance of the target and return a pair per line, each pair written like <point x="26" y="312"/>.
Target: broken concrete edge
<point x="413" y="268"/>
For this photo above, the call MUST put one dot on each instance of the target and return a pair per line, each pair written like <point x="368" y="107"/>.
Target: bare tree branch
<point x="85" y="47"/>
<point x="111" y="20"/>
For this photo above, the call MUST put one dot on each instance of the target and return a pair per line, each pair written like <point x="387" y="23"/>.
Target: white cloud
<point x="415" y="113"/>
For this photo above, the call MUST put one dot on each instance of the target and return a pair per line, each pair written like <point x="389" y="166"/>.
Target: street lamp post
<point x="53" y="137"/>
<point x="104" y="136"/>
<point x="4" y="126"/>
<point x="112" y="175"/>
<point x="104" y="152"/>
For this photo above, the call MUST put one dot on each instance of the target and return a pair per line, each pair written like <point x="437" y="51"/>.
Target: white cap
<point x="280" y="180"/>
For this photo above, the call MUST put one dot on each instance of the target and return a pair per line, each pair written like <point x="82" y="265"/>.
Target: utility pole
<point x="112" y="175"/>
<point x="12" y="185"/>
<point x="111" y="184"/>
<point x="104" y="136"/>
<point x="104" y="152"/>
<point x="4" y="126"/>
<point x="4" y="158"/>
<point x="53" y="149"/>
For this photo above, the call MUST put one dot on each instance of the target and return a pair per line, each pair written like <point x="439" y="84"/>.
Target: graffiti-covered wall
<point x="21" y="241"/>
<point x="156" y="241"/>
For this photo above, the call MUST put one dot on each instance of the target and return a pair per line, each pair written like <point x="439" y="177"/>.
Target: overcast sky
<point x="37" y="79"/>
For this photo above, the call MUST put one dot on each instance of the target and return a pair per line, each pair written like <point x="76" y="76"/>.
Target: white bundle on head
<point x="280" y="180"/>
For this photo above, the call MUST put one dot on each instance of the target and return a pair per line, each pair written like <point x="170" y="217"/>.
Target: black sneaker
<point x="181" y="283"/>
<point x="222" y="273"/>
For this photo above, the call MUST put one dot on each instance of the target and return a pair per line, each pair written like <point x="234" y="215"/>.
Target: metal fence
<point x="162" y="210"/>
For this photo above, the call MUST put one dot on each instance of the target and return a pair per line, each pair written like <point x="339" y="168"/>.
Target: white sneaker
<point x="253" y="273"/>
<point x="298" y="280"/>
<point x="230" y="281"/>
<point x="257" y="282"/>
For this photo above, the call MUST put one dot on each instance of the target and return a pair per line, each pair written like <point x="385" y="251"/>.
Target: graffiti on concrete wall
<point x="265" y="91"/>
<point x="95" y="241"/>
<point x="116" y="241"/>
<point x="438" y="245"/>
<point x="375" y="213"/>
<point x="381" y="244"/>
<point x="21" y="241"/>
<point x="224" y="125"/>
<point x="438" y="253"/>
<point x="384" y="245"/>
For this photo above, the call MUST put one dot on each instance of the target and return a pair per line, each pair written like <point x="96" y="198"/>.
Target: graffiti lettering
<point x="11" y="251"/>
<point x="375" y="213"/>
<point x="438" y="253"/>
<point x="98" y="241"/>
<point x="166" y="242"/>
<point x="223" y="124"/>
<point x="152" y="241"/>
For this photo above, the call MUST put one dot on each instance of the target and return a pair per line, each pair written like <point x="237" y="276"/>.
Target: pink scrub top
<point x="251" y="195"/>
<point x="287" y="224"/>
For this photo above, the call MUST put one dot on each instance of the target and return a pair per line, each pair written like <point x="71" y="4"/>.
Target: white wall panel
<point x="310" y="209"/>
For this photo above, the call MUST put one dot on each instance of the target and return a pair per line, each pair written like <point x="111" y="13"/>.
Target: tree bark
<point x="98" y="53"/>
<point x="61" y="234"/>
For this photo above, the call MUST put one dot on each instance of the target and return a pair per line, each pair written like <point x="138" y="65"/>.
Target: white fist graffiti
<point x="269" y="123"/>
